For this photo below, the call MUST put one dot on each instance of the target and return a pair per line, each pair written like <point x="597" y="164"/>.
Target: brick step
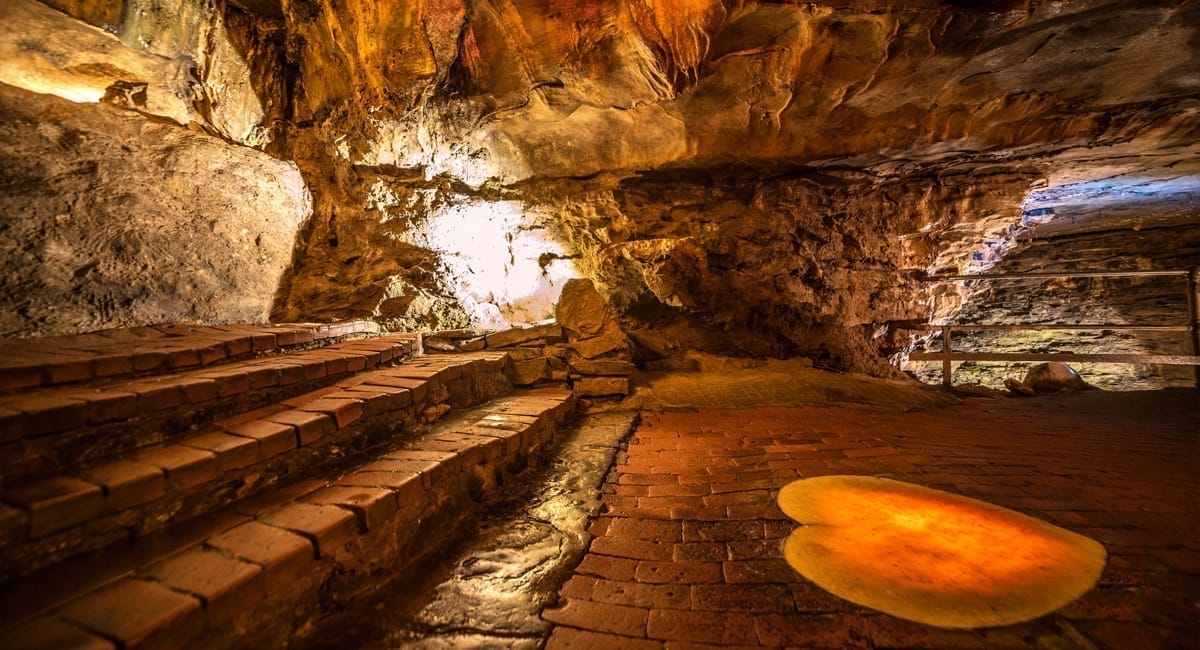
<point x="117" y="353"/>
<point x="254" y="576"/>
<point x="148" y="489"/>
<point x="49" y="430"/>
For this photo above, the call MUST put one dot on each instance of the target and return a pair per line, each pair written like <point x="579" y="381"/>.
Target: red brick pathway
<point x="687" y="552"/>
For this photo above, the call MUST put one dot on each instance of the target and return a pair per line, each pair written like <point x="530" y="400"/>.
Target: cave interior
<point x="323" y="320"/>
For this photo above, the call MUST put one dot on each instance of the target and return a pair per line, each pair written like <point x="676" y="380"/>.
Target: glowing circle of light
<point x="931" y="556"/>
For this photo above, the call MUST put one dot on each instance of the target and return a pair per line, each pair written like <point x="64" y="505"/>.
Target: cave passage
<point x="507" y="323"/>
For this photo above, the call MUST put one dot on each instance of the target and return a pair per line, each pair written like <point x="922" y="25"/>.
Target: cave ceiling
<point x="512" y="90"/>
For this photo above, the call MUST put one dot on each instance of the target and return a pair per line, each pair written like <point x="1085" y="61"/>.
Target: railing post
<point x="946" y="381"/>
<point x="1194" y="314"/>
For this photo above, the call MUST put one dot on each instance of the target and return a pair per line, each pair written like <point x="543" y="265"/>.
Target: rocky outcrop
<point x="110" y="219"/>
<point x="807" y="264"/>
<point x="86" y="64"/>
<point x="755" y="178"/>
<point x="214" y="66"/>
<point x="758" y="178"/>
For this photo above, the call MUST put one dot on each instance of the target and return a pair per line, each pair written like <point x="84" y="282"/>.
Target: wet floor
<point x="487" y="588"/>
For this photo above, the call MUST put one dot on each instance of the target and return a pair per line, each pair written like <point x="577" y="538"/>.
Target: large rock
<point x="1052" y="377"/>
<point x="183" y="61"/>
<point x="601" y="386"/>
<point x="589" y="322"/>
<point x="537" y="334"/>
<point x="611" y="342"/>
<point x="582" y="310"/>
<point x="82" y="63"/>
<point x="108" y="219"/>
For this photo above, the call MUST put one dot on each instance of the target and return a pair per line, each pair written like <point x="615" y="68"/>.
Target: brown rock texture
<point x="582" y="310"/>
<point x="806" y="264"/>
<point x="535" y="89"/>
<point x="598" y="351"/>
<point x="1092" y="243"/>
<point x="215" y="66"/>
<point x="753" y="177"/>
<point x="109" y="219"/>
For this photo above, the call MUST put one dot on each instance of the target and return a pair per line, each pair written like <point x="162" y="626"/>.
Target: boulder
<point x="1052" y="377"/>
<point x="606" y="367"/>
<point x="601" y="386"/>
<point x="522" y="335"/>
<point x="111" y="220"/>
<point x="582" y="310"/>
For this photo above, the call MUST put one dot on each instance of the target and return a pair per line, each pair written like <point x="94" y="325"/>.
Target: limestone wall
<point x="110" y="219"/>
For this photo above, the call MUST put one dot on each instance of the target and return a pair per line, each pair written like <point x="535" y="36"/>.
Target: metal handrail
<point x="947" y="355"/>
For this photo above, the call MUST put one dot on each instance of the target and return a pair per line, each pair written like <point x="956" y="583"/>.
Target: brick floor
<point x="690" y="538"/>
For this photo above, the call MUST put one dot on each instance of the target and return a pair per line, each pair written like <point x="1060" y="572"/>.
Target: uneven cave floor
<point x="683" y="537"/>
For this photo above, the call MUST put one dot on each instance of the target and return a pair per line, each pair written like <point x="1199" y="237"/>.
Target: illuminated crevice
<point x="496" y="259"/>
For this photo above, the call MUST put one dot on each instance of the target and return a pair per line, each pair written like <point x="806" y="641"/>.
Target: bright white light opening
<point x="498" y="262"/>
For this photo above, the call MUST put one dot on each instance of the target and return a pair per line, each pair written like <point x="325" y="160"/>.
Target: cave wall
<point x="754" y="177"/>
<point x="918" y="127"/>
<point x="806" y="263"/>
<point x="108" y="219"/>
<point x="798" y="264"/>
<point x="1149" y="301"/>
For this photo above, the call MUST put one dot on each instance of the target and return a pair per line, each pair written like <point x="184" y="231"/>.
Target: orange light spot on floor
<point x="932" y="556"/>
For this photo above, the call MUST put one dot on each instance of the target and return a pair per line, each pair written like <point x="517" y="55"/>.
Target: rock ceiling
<point x="514" y="89"/>
<point x="549" y="89"/>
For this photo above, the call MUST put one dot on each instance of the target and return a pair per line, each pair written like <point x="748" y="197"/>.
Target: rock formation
<point x="1053" y="377"/>
<point x="749" y="177"/>
<point x="108" y="219"/>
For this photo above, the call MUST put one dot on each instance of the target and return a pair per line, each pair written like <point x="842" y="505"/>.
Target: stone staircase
<point x="212" y="487"/>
